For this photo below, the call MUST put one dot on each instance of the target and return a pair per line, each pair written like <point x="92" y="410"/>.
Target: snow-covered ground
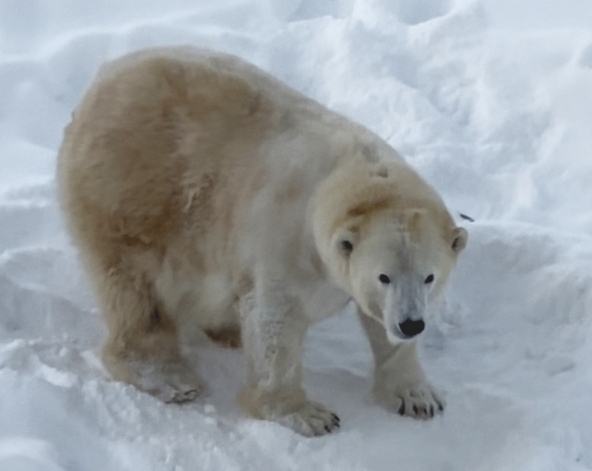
<point x="491" y="100"/>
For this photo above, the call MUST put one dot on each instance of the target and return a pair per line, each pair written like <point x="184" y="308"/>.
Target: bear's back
<point x="155" y="134"/>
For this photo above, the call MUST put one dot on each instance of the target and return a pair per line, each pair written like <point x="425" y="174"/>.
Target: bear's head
<point x="386" y="238"/>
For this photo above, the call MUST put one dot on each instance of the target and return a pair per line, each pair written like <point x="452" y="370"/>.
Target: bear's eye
<point x="384" y="279"/>
<point x="429" y="279"/>
<point x="347" y="246"/>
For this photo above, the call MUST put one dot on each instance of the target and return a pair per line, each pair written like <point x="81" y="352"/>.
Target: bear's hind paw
<point x="169" y="382"/>
<point x="175" y="382"/>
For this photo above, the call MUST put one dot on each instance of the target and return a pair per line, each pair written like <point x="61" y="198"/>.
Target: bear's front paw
<point x="420" y="401"/>
<point x="311" y="420"/>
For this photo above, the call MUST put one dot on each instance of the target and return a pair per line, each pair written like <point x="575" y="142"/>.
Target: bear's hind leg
<point x="142" y="347"/>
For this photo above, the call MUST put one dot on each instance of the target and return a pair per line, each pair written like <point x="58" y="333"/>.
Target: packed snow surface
<point x="491" y="100"/>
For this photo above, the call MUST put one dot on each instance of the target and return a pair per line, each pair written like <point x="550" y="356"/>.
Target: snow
<point x="491" y="100"/>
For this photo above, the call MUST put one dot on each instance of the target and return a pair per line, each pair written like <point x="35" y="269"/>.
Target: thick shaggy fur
<point x="202" y="191"/>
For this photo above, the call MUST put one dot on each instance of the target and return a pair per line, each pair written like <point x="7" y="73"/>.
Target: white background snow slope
<point x="491" y="100"/>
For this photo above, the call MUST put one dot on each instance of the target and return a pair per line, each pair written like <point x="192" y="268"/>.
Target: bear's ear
<point x="346" y="241"/>
<point x="460" y="236"/>
<point x="379" y="170"/>
<point x="346" y="246"/>
<point x="369" y="152"/>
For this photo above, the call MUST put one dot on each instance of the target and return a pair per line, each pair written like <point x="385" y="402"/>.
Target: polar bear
<point x="201" y="191"/>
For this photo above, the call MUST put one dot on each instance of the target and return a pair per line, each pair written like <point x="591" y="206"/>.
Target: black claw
<point x="416" y="410"/>
<point x="440" y="407"/>
<point x="431" y="410"/>
<point x="335" y="418"/>
<point x="401" y="410"/>
<point x="327" y="429"/>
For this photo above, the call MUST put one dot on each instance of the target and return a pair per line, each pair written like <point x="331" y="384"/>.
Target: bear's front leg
<point x="399" y="381"/>
<point x="272" y="335"/>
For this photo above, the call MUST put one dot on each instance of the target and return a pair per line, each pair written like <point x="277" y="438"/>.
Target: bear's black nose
<point x="412" y="328"/>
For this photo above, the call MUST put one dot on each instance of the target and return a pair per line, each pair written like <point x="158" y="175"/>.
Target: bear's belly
<point x="196" y="299"/>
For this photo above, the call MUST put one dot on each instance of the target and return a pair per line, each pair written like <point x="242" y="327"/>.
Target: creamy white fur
<point x="201" y="190"/>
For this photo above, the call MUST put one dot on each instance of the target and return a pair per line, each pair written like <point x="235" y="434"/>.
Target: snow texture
<point x="491" y="100"/>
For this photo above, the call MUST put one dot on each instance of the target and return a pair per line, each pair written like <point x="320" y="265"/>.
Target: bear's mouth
<point x="395" y="331"/>
<point x="375" y="312"/>
<point x="395" y="336"/>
